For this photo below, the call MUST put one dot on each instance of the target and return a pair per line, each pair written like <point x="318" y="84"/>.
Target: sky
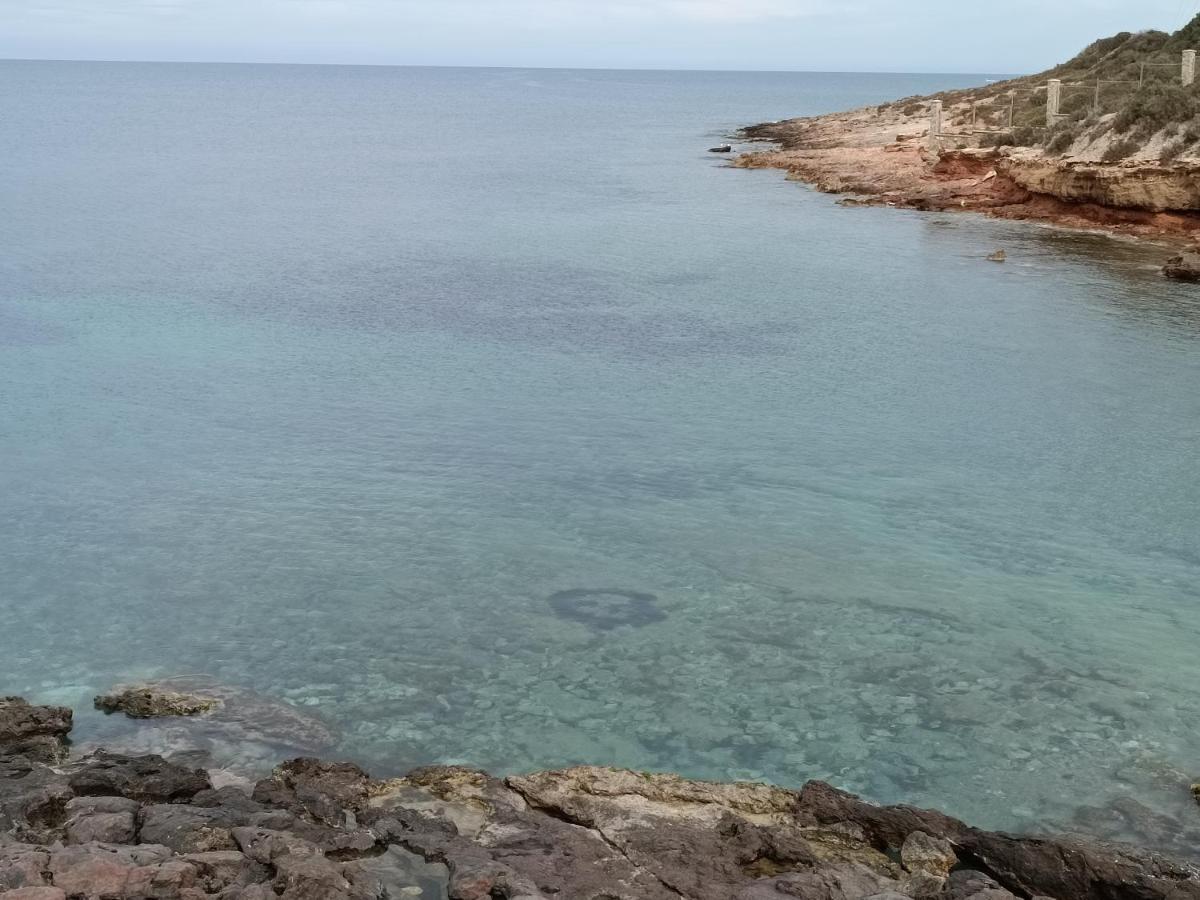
<point x="809" y="35"/>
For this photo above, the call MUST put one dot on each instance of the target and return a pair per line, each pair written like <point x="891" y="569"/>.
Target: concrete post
<point x="1053" y="101"/>
<point x="935" y="122"/>
<point x="1189" y="68"/>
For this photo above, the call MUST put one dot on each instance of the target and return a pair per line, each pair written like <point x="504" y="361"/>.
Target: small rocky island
<point x="111" y="826"/>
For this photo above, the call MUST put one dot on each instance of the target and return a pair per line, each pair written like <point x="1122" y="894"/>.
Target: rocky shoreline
<point x="111" y="826"/>
<point x="882" y="156"/>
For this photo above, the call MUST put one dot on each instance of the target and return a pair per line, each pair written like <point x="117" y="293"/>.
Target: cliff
<point x="1141" y="186"/>
<point x="1124" y="154"/>
<point x="883" y="159"/>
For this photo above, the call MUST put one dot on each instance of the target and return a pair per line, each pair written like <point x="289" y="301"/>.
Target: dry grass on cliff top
<point x="1157" y="118"/>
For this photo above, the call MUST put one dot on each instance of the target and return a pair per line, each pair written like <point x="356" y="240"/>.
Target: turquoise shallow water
<point x="323" y="381"/>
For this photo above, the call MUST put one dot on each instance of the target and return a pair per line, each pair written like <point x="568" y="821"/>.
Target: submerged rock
<point x="998" y="256"/>
<point x="247" y="729"/>
<point x="149" y="701"/>
<point x="605" y="608"/>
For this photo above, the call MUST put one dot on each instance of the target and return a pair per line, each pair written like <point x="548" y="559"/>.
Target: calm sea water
<point x="324" y="381"/>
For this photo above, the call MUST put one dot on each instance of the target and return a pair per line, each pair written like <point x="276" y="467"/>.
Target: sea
<point x="486" y="416"/>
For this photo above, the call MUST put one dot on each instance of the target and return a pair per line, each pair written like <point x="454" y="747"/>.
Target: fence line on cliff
<point x="1054" y="95"/>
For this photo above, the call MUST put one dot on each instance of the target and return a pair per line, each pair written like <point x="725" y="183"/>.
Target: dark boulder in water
<point x="1183" y="268"/>
<point x="605" y="608"/>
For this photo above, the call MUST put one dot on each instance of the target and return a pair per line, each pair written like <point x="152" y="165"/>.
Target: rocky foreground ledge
<point x="111" y="826"/>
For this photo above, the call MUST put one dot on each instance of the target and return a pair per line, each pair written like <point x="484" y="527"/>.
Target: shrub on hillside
<point x="1120" y="149"/>
<point x="1061" y="141"/>
<point x="1155" y="106"/>
<point x="1025" y="136"/>
<point x="1173" y="150"/>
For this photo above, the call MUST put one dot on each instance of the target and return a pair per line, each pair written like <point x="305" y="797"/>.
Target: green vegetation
<point x="1128" y="84"/>
<point x="1156" y="106"/>
<point x="1061" y="140"/>
<point x="1120" y="149"/>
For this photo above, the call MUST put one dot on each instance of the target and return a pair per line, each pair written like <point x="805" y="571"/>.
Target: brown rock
<point x="149" y="701"/>
<point x="966" y="883"/>
<point x="249" y="892"/>
<point x="1185" y="267"/>
<point x="1144" y="187"/>
<point x="170" y="880"/>
<point x="38" y="732"/>
<point x="90" y="870"/>
<point x="310" y="878"/>
<point x="922" y="853"/>
<point x="219" y="869"/>
<point x="495" y="845"/>
<point x="189" y="829"/>
<point x="923" y="885"/>
<point x="1063" y="868"/>
<point x="108" y="820"/>
<point x="265" y="846"/>
<point x="107" y="828"/>
<point x="319" y="790"/>
<point x="147" y="779"/>
<point x="35" y="893"/>
<point x="22" y="866"/>
<point x="838" y="883"/>
<point x="33" y="800"/>
<point x="705" y="841"/>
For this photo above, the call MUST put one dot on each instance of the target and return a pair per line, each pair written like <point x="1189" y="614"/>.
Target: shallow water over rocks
<point x="331" y="420"/>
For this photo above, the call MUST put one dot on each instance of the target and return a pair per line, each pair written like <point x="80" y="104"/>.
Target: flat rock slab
<point x="146" y="779"/>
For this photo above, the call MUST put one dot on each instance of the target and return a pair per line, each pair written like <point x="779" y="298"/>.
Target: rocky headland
<point x="109" y="825"/>
<point x="884" y="158"/>
<point x="1122" y="155"/>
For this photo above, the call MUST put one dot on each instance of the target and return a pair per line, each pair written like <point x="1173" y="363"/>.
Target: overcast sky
<point x="824" y="35"/>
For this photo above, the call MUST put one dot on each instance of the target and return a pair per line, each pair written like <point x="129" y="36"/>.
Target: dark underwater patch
<point x="605" y="609"/>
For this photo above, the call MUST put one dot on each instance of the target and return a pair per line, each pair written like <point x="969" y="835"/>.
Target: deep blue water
<point x="324" y="380"/>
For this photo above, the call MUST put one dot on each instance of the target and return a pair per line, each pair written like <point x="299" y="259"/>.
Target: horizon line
<point x="368" y="65"/>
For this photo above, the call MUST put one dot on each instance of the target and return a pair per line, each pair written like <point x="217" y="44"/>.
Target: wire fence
<point x="1041" y="108"/>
